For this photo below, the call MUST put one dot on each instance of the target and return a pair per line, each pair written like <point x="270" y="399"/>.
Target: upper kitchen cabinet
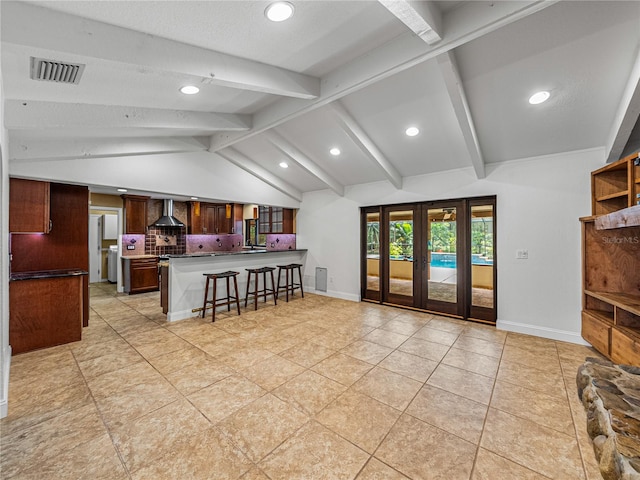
<point x="275" y="220"/>
<point x="135" y="214"/>
<point x="214" y="218"/>
<point x="29" y="206"/>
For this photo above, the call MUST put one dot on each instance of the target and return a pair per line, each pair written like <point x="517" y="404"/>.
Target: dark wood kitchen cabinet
<point x="140" y="274"/>
<point x="135" y="214"/>
<point x="212" y="218"/>
<point x="29" y="206"/>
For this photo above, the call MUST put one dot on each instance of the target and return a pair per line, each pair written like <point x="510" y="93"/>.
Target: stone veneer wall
<point x="611" y="395"/>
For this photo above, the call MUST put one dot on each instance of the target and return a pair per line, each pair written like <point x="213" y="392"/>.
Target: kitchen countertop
<point x="242" y="252"/>
<point x="46" y="274"/>
<point x="130" y="257"/>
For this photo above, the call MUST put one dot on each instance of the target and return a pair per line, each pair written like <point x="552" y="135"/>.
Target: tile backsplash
<point x="213" y="243"/>
<point x="281" y="241"/>
<point x="133" y="244"/>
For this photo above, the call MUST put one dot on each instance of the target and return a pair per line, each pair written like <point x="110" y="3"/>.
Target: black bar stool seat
<point x="257" y="292"/>
<point x="290" y="284"/>
<point x="223" y="301"/>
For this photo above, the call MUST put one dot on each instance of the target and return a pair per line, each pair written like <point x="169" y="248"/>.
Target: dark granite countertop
<point x="73" y="272"/>
<point x="242" y="252"/>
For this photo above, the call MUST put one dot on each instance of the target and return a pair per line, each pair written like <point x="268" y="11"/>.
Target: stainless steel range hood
<point x="167" y="219"/>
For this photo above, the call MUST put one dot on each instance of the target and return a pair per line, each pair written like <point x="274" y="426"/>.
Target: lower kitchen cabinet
<point x="45" y="310"/>
<point x="140" y="274"/>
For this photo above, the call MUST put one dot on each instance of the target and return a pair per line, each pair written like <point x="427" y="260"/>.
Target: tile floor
<point x="317" y="388"/>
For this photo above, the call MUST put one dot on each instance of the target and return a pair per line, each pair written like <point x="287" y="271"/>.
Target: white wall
<point x="539" y="201"/>
<point x="5" y="349"/>
<point x="200" y="174"/>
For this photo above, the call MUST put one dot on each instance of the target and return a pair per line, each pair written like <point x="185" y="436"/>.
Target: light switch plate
<point x="522" y="254"/>
<point x="131" y="247"/>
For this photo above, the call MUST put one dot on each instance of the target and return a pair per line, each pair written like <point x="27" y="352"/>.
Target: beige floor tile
<point x="548" y="410"/>
<point x="198" y="375"/>
<point x="466" y="384"/>
<point x="421" y="451"/>
<point x="478" y="345"/>
<point x="244" y="357"/>
<point x="225" y="397"/>
<point x="485" y="332"/>
<point x="472" y="362"/>
<point x="178" y="359"/>
<point x="376" y="470"/>
<point x="342" y="368"/>
<point x="359" y="419"/>
<point x="434" y="335"/>
<point x="550" y="382"/>
<point x="156" y="342"/>
<point x="206" y="455"/>
<point x="538" y="448"/>
<point x="26" y="409"/>
<point x="95" y="459"/>
<point x="307" y="354"/>
<point x="254" y="474"/>
<point x="386" y="338"/>
<point x="48" y="439"/>
<point x="121" y="380"/>
<point x="309" y="392"/>
<point x="447" y="324"/>
<point x="157" y="434"/>
<point x="388" y="387"/>
<point x="409" y="365"/>
<point x="530" y="341"/>
<point x="279" y="342"/>
<point x="397" y="325"/>
<point x="490" y="466"/>
<point x="450" y="412"/>
<point x="272" y="372"/>
<point x="424" y="348"/>
<point x="367" y="352"/>
<point x="335" y="340"/>
<point x="314" y="452"/>
<point x="110" y="362"/>
<point x="541" y="358"/>
<point x="259" y="427"/>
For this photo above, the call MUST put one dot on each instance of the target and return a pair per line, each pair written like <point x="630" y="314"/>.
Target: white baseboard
<point x="544" y="332"/>
<point x="6" y="368"/>
<point x="334" y="294"/>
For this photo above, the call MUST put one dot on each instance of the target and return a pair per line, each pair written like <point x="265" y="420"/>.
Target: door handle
<point x="424" y="263"/>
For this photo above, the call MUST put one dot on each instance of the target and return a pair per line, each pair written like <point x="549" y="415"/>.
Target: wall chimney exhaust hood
<point x="167" y="219"/>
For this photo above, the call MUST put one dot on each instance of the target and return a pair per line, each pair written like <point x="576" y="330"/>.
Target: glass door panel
<point x="373" y="253"/>
<point x="400" y="256"/>
<point x="482" y="230"/>
<point x="442" y="257"/>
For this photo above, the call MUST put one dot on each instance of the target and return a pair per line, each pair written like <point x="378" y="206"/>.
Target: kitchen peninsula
<point x="185" y="280"/>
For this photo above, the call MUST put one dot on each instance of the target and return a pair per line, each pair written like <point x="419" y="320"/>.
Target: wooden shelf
<point x="611" y="196"/>
<point x="624" y="301"/>
<point x="604" y="317"/>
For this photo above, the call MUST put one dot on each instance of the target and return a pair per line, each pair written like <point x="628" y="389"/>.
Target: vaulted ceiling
<point x="347" y="74"/>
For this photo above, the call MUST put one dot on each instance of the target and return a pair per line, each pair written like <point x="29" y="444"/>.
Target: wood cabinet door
<point x="29" y="204"/>
<point x="208" y="213"/>
<point x="135" y="214"/>
<point x="144" y="275"/>
<point x="223" y="223"/>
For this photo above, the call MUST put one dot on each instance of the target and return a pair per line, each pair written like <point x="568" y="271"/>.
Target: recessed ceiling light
<point x="194" y="198"/>
<point x="539" y="97"/>
<point x="284" y="165"/>
<point x="412" y="131"/>
<point x="122" y="190"/>
<point x="189" y="89"/>
<point x="279" y="11"/>
<point x="335" y="151"/>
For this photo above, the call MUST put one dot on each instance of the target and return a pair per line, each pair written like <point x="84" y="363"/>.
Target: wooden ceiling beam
<point x="353" y="129"/>
<point x="303" y="161"/>
<point x="458" y="97"/>
<point x="249" y="166"/>
<point x="422" y="17"/>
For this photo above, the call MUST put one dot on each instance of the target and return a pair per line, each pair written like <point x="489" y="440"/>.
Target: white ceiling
<point x="349" y="74"/>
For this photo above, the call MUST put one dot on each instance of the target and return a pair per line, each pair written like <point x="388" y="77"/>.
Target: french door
<point x="434" y="256"/>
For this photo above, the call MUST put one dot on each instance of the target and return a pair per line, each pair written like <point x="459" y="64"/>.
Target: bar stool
<point x="256" y="292"/>
<point x="290" y="284"/>
<point x="218" y="302"/>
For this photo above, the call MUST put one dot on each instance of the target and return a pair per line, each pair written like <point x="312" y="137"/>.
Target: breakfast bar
<point x="185" y="280"/>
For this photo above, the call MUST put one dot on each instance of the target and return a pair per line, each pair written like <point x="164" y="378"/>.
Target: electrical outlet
<point x="522" y="254"/>
<point x="131" y="247"/>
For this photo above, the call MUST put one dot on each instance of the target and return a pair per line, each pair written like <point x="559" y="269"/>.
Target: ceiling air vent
<point x="52" y="71"/>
